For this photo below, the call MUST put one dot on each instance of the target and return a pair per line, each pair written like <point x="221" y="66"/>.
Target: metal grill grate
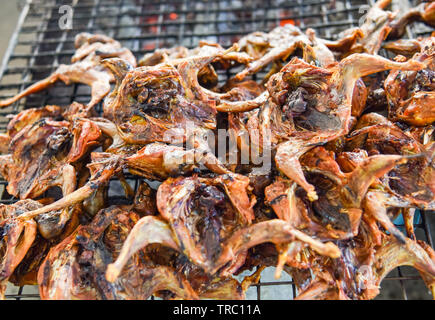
<point x="38" y="46"/>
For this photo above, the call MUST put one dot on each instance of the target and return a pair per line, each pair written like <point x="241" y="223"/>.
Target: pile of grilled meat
<point x="351" y="139"/>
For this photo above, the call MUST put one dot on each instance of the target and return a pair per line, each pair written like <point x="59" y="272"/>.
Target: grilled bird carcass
<point x="411" y="94"/>
<point x="24" y="244"/>
<point x="207" y="76"/>
<point x="424" y="12"/>
<point x="374" y="30"/>
<point x="275" y="46"/>
<point x="85" y="68"/>
<point x="151" y="101"/>
<point x="16" y="239"/>
<point x="340" y="194"/>
<point x="210" y="221"/>
<point x="363" y="265"/>
<point x="329" y="150"/>
<point x="313" y="105"/>
<point x="41" y="155"/>
<point x="405" y="186"/>
<point x="25" y="118"/>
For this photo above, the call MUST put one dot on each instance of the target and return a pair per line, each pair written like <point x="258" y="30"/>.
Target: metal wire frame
<point x="38" y="46"/>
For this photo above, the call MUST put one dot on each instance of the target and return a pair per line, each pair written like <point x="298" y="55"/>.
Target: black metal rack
<point x="38" y="46"/>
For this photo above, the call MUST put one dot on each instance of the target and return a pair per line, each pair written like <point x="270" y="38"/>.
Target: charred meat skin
<point x="151" y="100"/>
<point x="24" y="244"/>
<point x="201" y="214"/>
<point x="41" y="155"/>
<point x="210" y="228"/>
<point x="389" y="139"/>
<point x="16" y="238"/>
<point x="326" y="114"/>
<point x="424" y="12"/>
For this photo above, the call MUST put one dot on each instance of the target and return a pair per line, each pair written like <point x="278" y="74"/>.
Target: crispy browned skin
<point x="389" y="139"/>
<point x="350" y="148"/>
<point x="52" y="228"/>
<point x="404" y="47"/>
<point x="374" y="30"/>
<point x="41" y="155"/>
<point x="346" y="42"/>
<point x="151" y="100"/>
<point x="85" y="68"/>
<point x="210" y="227"/>
<point x="412" y="189"/>
<point x="154" y="161"/>
<point x="424" y="12"/>
<point x="316" y="105"/>
<point x="25" y="118"/>
<point x="337" y="213"/>
<point x="144" y="202"/>
<point x="102" y="167"/>
<point x="364" y="265"/>
<point x="16" y="238"/>
<point x="207" y="76"/>
<point x="280" y="43"/>
<point x="75" y="268"/>
<point x="307" y="107"/>
<point x="391" y="255"/>
<point x="223" y="206"/>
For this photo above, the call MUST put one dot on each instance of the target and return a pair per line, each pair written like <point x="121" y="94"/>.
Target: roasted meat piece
<point x="224" y="204"/>
<point x="404" y="47"/>
<point x="52" y="227"/>
<point x="374" y="30"/>
<point x="204" y="285"/>
<point x="312" y="105"/>
<point x="278" y="45"/>
<point x="209" y="221"/>
<point x="268" y="47"/>
<point x="151" y="101"/>
<point x="362" y="267"/>
<point x="154" y="161"/>
<point x="163" y="55"/>
<point x="405" y="186"/>
<point x="207" y="76"/>
<point x="386" y="138"/>
<point x="152" y="104"/>
<point x="336" y="214"/>
<point x="103" y="166"/>
<point x="85" y="68"/>
<point x="24" y="244"/>
<point x="138" y="201"/>
<point x="41" y="155"/>
<point x="25" y="118"/>
<point x="16" y="238"/>
<point x="308" y="105"/>
<point x="424" y="12"/>
<point x="75" y="268"/>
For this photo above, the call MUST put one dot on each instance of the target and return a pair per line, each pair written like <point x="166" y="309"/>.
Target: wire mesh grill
<point x="38" y="46"/>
